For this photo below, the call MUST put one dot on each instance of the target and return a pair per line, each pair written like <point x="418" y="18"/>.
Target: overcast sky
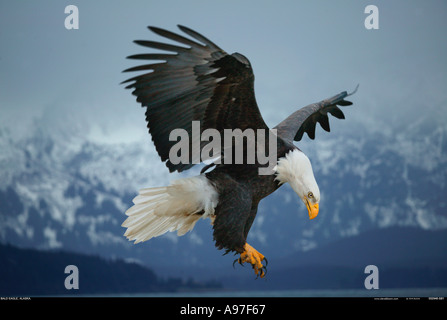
<point x="301" y="52"/>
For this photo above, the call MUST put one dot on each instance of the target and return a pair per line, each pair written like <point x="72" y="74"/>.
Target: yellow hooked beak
<point x="313" y="209"/>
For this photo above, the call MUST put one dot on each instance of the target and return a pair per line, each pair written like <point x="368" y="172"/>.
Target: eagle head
<point x="295" y="168"/>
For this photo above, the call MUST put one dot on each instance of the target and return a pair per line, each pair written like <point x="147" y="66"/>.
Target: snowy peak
<point x="71" y="191"/>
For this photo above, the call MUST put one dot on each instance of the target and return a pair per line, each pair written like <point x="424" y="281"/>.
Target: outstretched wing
<point x="196" y="82"/>
<point x="306" y="118"/>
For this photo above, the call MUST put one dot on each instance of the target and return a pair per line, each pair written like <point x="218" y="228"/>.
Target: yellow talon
<point x="252" y="256"/>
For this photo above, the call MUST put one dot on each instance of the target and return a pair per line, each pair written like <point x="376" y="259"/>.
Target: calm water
<point x="416" y="292"/>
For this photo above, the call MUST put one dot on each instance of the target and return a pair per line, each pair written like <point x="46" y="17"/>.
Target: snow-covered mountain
<point x="68" y="191"/>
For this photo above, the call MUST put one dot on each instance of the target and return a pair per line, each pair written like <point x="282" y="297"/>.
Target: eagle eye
<point x="310" y="195"/>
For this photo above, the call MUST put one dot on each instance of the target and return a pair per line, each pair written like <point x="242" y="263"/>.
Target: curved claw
<point x="265" y="270"/>
<point x="253" y="257"/>
<point x="238" y="260"/>
<point x="262" y="272"/>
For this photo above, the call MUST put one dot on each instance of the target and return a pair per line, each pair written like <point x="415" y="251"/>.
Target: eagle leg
<point x="252" y="256"/>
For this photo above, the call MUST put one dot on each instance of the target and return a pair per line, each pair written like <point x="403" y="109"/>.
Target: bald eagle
<point x="195" y="80"/>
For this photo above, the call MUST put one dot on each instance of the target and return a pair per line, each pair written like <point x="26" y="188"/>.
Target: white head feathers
<point x="295" y="168"/>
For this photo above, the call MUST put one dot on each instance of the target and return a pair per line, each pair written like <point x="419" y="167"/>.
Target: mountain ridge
<point x="69" y="192"/>
<point x="31" y="272"/>
<point x="341" y="264"/>
<point x="393" y="247"/>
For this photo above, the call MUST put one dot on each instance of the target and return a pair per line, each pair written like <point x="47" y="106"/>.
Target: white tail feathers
<point x="173" y="208"/>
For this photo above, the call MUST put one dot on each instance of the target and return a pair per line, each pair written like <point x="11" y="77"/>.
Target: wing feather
<point x="305" y="119"/>
<point x="200" y="82"/>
